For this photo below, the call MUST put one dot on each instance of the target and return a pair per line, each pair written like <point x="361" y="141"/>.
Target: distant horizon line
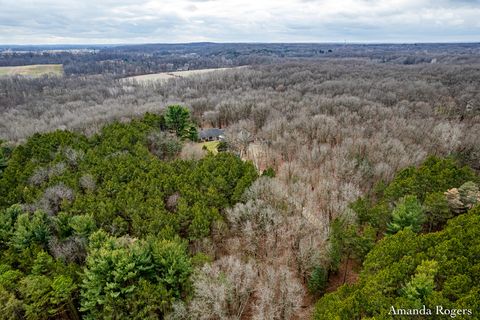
<point x="239" y="42"/>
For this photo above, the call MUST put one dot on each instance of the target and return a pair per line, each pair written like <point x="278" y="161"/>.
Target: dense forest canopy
<point x="408" y="271"/>
<point x="100" y="226"/>
<point x="347" y="182"/>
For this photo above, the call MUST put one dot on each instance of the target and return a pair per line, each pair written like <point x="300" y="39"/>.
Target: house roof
<point x="211" y="133"/>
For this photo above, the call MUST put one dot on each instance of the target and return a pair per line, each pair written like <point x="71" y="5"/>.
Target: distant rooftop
<point x="212" y="133"/>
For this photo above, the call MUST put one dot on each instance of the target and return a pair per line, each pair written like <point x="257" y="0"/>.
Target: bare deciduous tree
<point x="223" y="289"/>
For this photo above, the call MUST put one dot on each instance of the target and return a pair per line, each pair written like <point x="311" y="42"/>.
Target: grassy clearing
<point x="164" y="76"/>
<point x="211" y="146"/>
<point x="34" y="70"/>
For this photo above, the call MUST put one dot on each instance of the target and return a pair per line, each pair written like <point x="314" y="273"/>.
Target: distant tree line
<point x="128" y="60"/>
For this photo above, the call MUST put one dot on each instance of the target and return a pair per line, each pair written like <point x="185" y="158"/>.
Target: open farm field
<point x="35" y="70"/>
<point x="164" y="76"/>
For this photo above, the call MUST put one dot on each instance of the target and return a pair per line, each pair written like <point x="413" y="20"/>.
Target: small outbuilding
<point x="212" y="134"/>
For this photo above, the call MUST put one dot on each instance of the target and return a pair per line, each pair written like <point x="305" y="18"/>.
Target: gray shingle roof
<point x="211" y="133"/>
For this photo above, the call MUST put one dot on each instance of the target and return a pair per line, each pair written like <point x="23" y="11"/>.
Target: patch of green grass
<point x="34" y="70"/>
<point x="211" y="146"/>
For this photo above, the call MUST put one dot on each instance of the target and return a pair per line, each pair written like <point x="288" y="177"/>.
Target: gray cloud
<point x="126" y="21"/>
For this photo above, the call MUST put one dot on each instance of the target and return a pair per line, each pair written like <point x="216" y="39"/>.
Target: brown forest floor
<point x="347" y="274"/>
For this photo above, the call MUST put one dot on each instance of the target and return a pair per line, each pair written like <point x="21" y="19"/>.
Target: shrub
<point x="318" y="280"/>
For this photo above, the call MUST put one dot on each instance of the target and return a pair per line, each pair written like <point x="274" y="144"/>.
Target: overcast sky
<point x="142" y="21"/>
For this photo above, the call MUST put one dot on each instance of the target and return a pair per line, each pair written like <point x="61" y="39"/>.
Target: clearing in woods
<point x="164" y="76"/>
<point x="34" y="70"/>
<point x="211" y="146"/>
